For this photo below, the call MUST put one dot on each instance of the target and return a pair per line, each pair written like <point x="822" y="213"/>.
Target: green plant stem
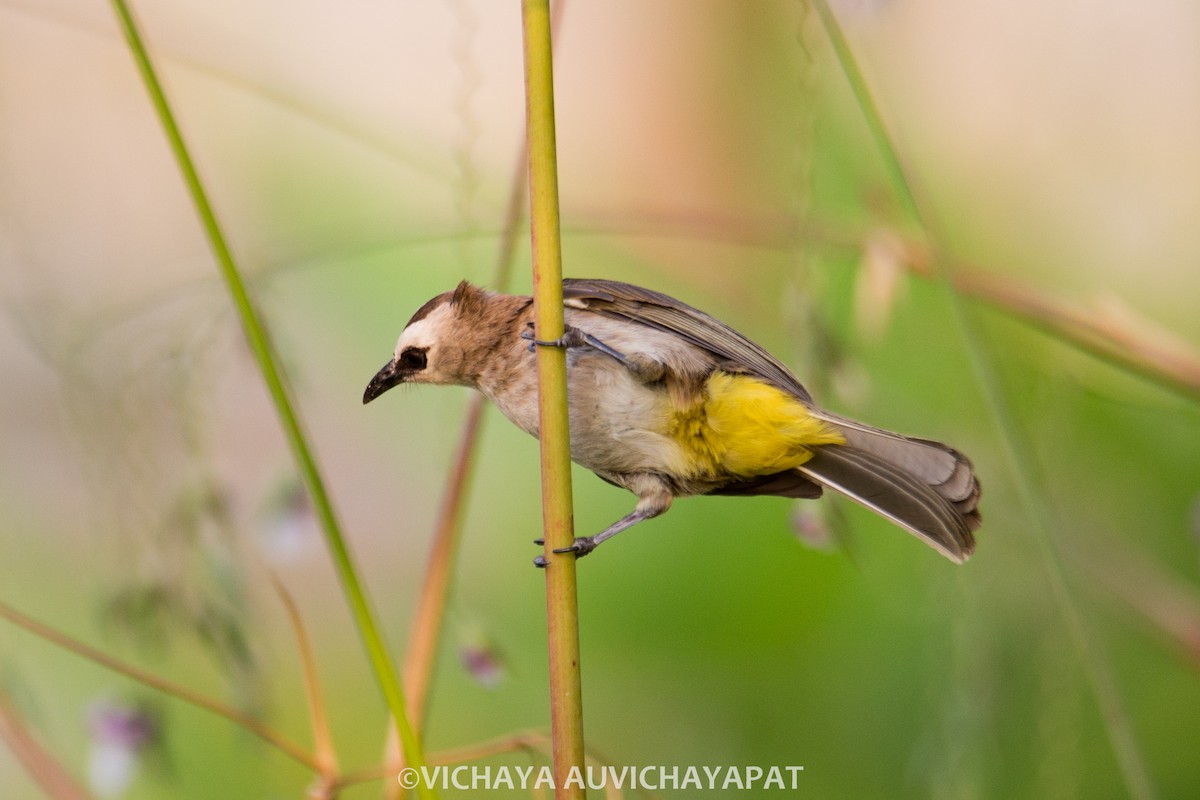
<point x="256" y="336"/>
<point x="1014" y="445"/>
<point x="562" y="612"/>
<point x="196" y="699"/>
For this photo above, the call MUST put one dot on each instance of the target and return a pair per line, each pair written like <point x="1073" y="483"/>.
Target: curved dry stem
<point x="1107" y="330"/>
<point x="423" y="642"/>
<point x="426" y="632"/>
<point x="1112" y="334"/>
<point x="44" y="768"/>
<point x="325" y="756"/>
<point x="188" y="696"/>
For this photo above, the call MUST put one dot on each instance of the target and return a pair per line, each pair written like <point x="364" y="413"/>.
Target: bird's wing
<point x="665" y="313"/>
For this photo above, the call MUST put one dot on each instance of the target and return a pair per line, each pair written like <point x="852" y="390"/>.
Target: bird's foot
<point x="645" y="368"/>
<point x="580" y="547"/>
<point x="572" y="337"/>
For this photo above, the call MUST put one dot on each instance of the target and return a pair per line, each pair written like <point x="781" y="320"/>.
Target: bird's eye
<point x="413" y="359"/>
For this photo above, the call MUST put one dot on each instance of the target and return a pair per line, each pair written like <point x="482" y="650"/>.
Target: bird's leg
<point x="649" y="505"/>
<point x="643" y="367"/>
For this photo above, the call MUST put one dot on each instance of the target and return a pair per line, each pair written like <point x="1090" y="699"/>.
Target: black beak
<point x="385" y="379"/>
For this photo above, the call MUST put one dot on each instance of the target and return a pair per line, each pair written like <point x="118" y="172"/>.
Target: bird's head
<point x="436" y="344"/>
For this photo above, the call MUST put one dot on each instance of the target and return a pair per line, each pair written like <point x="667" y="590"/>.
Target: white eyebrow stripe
<point x="422" y="333"/>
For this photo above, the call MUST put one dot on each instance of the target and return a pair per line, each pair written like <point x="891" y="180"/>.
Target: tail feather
<point x="923" y="486"/>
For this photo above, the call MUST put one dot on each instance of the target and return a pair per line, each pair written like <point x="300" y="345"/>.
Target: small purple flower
<point x="482" y="661"/>
<point x="120" y="734"/>
<point x="811" y="526"/>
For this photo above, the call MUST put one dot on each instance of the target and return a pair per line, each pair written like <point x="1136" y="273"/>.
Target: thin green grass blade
<point x="256" y="336"/>
<point x="1012" y="438"/>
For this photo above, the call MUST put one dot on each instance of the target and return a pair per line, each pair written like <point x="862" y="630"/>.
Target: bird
<point x="666" y="402"/>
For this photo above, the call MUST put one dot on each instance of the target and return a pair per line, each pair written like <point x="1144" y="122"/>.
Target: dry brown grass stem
<point x="425" y="637"/>
<point x="247" y="722"/>
<point x="1104" y="326"/>
<point x="44" y="768"/>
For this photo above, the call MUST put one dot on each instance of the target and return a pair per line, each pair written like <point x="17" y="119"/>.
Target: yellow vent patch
<point x="746" y="427"/>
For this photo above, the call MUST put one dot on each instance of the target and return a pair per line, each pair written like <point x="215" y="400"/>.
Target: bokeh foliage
<point x="712" y="152"/>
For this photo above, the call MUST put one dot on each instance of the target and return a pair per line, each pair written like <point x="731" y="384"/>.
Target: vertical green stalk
<point x="259" y="342"/>
<point x="562" y="613"/>
<point x="1012" y="438"/>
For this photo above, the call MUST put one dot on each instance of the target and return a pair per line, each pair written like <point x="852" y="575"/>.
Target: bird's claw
<point x="580" y="547"/>
<point x="566" y="340"/>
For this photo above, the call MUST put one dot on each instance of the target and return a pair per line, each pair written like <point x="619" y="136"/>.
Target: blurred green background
<point x="359" y="155"/>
